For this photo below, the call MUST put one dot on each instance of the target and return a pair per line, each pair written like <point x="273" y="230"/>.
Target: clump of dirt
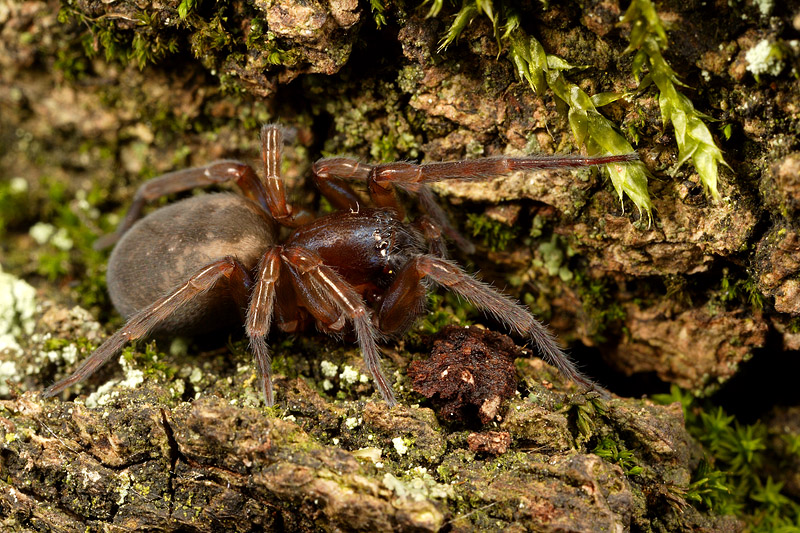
<point x="470" y="371"/>
<point x="491" y="442"/>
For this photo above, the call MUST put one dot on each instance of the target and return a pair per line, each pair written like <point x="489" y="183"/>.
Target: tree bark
<point x="97" y="97"/>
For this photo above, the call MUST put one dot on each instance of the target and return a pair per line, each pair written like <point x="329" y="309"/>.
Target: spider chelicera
<point x="213" y="260"/>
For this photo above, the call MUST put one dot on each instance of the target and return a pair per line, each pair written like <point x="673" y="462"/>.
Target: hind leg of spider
<point x="183" y="180"/>
<point x="144" y="321"/>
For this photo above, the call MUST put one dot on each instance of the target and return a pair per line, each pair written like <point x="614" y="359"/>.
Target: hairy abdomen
<point x="164" y="249"/>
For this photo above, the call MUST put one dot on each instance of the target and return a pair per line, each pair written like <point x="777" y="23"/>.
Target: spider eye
<point x="383" y="245"/>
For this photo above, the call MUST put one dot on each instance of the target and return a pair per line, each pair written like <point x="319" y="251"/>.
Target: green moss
<point x="555" y="255"/>
<point x="730" y="479"/>
<point x="599" y="304"/>
<point x="185" y="7"/>
<point x="151" y="361"/>
<point x="66" y="241"/>
<point x="378" y="12"/>
<point x="82" y="343"/>
<point x="210" y="38"/>
<point x="282" y="359"/>
<point x="586" y="411"/>
<point x="14" y="203"/>
<point x="393" y="145"/>
<point x="493" y="233"/>
<point x="150" y="49"/>
<point x="508" y="462"/>
<point x="147" y="43"/>
<point x="71" y="63"/>
<point x="738" y="291"/>
<point x="648" y="37"/>
<point x="148" y="35"/>
<point x="708" y="488"/>
<point x="469" y="10"/>
<point x="261" y="39"/>
<point x="615" y="452"/>
<point x="541" y="70"/>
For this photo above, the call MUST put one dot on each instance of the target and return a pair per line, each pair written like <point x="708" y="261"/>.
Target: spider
<point x="213" y="260"/>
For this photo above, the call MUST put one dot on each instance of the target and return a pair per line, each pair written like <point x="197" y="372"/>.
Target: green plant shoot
<point x="648" y="37"/>
<point x="588" y="125"/>
<point x="541" y="70"/>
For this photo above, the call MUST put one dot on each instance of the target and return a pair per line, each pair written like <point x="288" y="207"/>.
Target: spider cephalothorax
<point x="212" y="260"/>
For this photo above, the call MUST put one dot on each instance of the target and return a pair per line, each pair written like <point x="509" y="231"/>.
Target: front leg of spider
<point x="332" y="301"/>
<point x="406" y="295"/>
<point x="259" y="317"/>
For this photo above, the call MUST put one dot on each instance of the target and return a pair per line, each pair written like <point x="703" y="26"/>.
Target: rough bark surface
<point x="97" y="97"/>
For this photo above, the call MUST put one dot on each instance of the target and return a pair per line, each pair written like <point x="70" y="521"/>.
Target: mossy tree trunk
<point x="97" y="97"/>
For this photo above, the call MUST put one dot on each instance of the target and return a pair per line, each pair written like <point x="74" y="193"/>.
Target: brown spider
<point x="197" y="264"/>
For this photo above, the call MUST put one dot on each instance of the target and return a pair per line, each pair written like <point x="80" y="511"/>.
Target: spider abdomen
<point x="165" y="248"/>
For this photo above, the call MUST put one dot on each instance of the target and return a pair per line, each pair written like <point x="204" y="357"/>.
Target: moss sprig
<point x="145" y="43"/>
<point x="378" y="12"/>
<point x="649" y="38"/>
<point x="186" y="7"/>
<point x="730" y="479"/>
<point x="589" y="126"/>
<point x="465" y="15"/>
<point x="542" y="71"/>
<point x="615" y="452"/>
<point x="709" y="487"/>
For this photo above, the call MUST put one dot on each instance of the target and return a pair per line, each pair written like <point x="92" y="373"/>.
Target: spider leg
<point x="259" y="318"/>
<point x="406" y="295"/>
<point x="148" y="318"/>
<point x="325" y="295"/>
<point x="441" y="219"/>
<point x="409" y="176"/>
<point x="183" y="180"/>
<point x="289" y="316"/>
<point x="414" y="178"/>
<point x="403" y="302"/>
<point x="329" y="175"/>
<point x="277" y="204"/>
